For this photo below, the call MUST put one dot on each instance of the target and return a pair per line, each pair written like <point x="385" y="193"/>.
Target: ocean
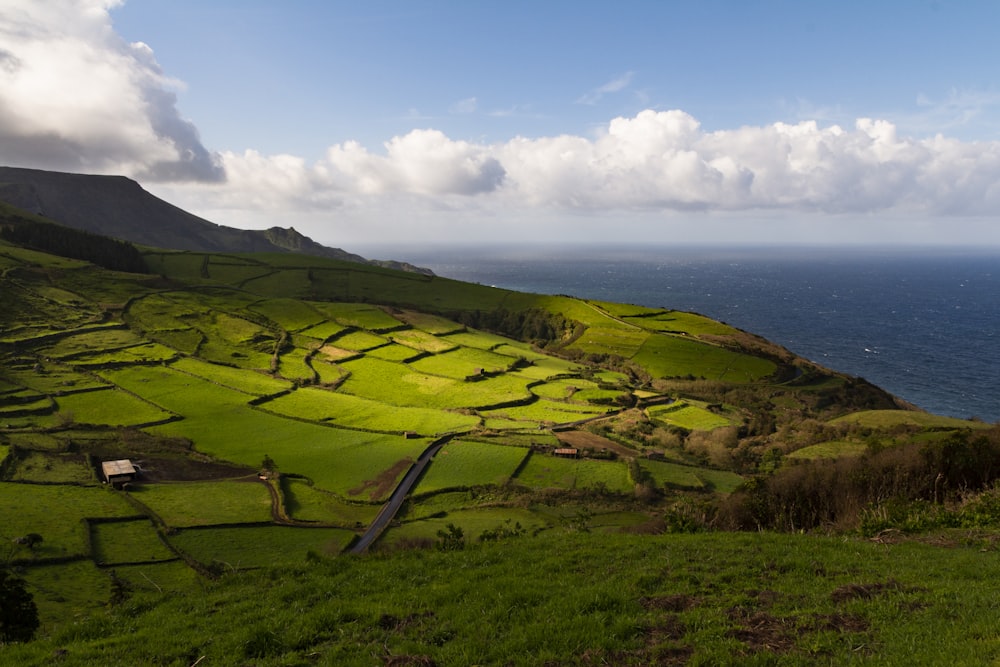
<point x="921" y="323"/>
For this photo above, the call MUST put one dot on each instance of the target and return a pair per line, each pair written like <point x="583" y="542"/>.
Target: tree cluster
<point x="76" y="244"/>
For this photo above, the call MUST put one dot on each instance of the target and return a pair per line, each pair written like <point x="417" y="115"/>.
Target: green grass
<point x="305" y="502"/>
<point x="422" y="340"/>
<point x="672" y="475"/>
<point x="433" y="324"/>
<point x="672" y="356"/>
<point x="891" y="418"/>
<point x="55" y="513"/>
<point x="544" y="471"/>
<point x="688" y="415"/>
<point x="464" y="463"/>
<point x="51" y="468"/>
<point x="360" y="315"/>
<point x="66" y="594"/>
<point x="713" y="599"/>
<point x="547" y="412"/>
<point x="110" y="407"/>
<point x="250" y="382"/>
<point x="398" y="384"/>
<point x="127" y="542"/>
<point x="182" y="504"/>
<point x="260" y="546"/>
<point x="359" y="341"/>
<point x="828" y="450"/>
<point x="352" y="412"/>
<point x="462" y="362"/>
<point x="289" y="314"/>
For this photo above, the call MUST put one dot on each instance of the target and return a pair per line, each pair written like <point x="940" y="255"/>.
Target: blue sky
<point x="435" y="122"/>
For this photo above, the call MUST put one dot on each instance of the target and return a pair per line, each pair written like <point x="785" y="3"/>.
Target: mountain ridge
<point x="119" y="207"/>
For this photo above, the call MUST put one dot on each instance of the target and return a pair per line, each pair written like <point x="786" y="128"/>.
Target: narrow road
<point x="391" y="508"/>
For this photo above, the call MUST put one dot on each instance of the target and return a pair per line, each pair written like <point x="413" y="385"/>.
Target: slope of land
<point x="118" y="207"/>
<point x="273" y="401"/>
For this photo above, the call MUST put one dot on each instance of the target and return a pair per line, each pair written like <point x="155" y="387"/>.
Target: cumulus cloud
<point x="75" y="96"/>
<point x="654" y="161"/>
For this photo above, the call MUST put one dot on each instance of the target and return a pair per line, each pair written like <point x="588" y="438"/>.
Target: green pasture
<point x="220" y="423"/>
<point x="292" y="365"/>
<point x="289" y="314"/>
<point x="182" y="504"/>
<point x="545" y="471"/>
<point x="55" y="512"/>
<point x="477" y="339"/>
<point x="161" y="577"/>
<point x="463" y="463"/>
<point x="462" y="362"/>
<point x="233" y="273"/>
<point x="51" y="467"/>
<point x="65" y="593"/>
<point x="422" y="340"/>
<point x="328" y="373"/>
<point x="398" y="384"/>
<point x="547" y="412"/>
<point x="392" y="352"/>
<point x="473" y="523"/>
<point x="92" y="341"/>
<point x="281" y="283"/>
<point x="690" y="415"/>
<point x="247" y="381"/>
<point x="622" y="340"/>
<point x="127" y="542"/>
<point x="834" y="449"/>
<point x="110" y="407"/>
<point x="892" y="418"/>
<point x="137" y="354"/>
<point x="235" y="340"/>
<point x="323" y="330"/>
<point x="673" y="475"/>
<point x="360" y="413"/>
<point x="259" y="546"/>
<point x="562" y="388"/>
<point x="433" y="324"/>
<point x="673" y="356"/>
<point x="39" y="404"/>
<point x="359" y="341"/>
<point x="304" y="502"/>
<point x="668" y="321"/>
<point x="359" y="315"/>
<point x="176" y="264"/>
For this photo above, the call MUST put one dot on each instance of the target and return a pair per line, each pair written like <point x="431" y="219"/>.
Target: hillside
<point x="275" y="402"/>
<point x="118" y="207"/>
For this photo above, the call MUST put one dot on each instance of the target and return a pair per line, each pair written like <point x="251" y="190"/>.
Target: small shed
<point x="118" y="473"/>
<point x="566" y="452"/>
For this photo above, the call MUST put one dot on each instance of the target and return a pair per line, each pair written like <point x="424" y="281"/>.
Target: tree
<point x="18" y="613"/>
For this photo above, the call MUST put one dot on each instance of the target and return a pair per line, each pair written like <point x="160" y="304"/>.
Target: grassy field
<point x="671" y="356"/>
<point x="111" y="407"/>
<point x="34" y="466"/>
<point x="257" y="384"/>
<point x="891" y="418"/>
<point x="183" y="504"/>
<point x="353" y="412"/>
<point x="828" y="450"/>
<point x="689" y="415"/>
<point x="305" y="502"/>
<point x="127" y="542"/>
<point x="464" y="463"/>
<point x="547" y="412"/>
<point x="30" y="508"/>
<point x="718" y="599"/>
<point x="259" y="546"/>
<point x="544" y="471"/>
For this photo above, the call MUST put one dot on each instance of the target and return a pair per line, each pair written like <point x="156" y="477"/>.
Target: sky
<point x="435" y="122"/>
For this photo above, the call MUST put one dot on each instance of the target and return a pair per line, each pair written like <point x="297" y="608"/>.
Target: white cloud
<point x="656" y="161"/>
<point x="75" y="96"/>
<point x="613" y="86"/>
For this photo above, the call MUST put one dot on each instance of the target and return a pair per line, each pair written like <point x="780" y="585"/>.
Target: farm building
<point x="117" y="473"/>
<point x="567" y="452"/>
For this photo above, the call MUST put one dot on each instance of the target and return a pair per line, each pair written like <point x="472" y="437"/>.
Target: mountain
<point x="117" y="206"/>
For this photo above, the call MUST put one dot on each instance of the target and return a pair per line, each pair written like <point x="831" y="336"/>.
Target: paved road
<point x="391" y="508"/>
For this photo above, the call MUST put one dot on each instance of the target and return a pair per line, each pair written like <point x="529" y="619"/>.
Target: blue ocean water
<point x="921" y="323"/>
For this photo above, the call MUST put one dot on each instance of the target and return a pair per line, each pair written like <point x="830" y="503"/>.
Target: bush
<point x="18" y="613"/>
